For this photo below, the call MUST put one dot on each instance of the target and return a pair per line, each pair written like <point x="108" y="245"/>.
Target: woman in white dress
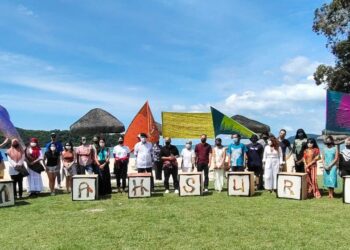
<point x="34" y="159"/>
<point x="273" y="161"/>
<point x="188" y="158"/>
<point x="219" y="157"/>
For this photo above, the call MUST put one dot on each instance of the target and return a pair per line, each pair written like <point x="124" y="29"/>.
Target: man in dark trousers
<point x="203" y="159"/>
<point x="169" y="154"/>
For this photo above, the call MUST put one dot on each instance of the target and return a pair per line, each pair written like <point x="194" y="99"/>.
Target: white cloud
<point x="25" y="11"/>
<point x="299" y="66"/>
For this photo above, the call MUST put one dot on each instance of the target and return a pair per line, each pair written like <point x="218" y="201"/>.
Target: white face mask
<point x="53" y="148"/>
<point x="68" y="147"/>
<point x="188" y="146"/>
<point x="33" y="144"/>
<point x="143" y="140"/>
<point x="102" y="145"/>
<point x="310" y="145"/>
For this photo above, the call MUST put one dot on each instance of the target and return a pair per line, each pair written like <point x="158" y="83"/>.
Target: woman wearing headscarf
<point x="104" y="173"/>
<point x="299" y="147"/>
<point x="344" y="159"/>
<point x="15" y="156"/>
<point x="330" y="159"/>
<point x="273" y="162"/>
<point x="68" y="160"/>
<point x="52" y="163"/>
<point x="311" y="156"/>
<point x="34" y="159"/>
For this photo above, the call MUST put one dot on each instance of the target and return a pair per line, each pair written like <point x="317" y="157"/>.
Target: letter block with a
<point x="139" y="185"/>
<point x="240" y="184"/>
<point x="190" y="184"/>
<point x="7" y="197"/>
<point x="85" y="187"/>
<point x="292" y="186"/>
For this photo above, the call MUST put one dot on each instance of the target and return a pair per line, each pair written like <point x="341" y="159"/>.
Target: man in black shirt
<point x="254" y="160"/>
<point x="168" y="155"/>
<point x="284" y="144"/>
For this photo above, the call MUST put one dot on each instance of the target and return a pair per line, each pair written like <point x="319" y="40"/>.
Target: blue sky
<point x="59" y="59"/>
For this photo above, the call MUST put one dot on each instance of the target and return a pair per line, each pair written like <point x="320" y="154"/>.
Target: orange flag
<point x="143" y="122"/>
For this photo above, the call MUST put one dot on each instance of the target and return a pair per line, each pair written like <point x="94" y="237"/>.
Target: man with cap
<point x="188" y="157"/>
<point x="59" y="149"/>
<point x="121" y="155"/>
<point x="169" y="154"/>
<point x="143" y="152"/>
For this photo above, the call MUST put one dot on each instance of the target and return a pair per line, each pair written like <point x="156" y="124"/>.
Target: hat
<point x="53" y="134"/>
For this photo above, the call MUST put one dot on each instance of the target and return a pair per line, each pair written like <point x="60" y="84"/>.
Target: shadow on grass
<point x="21" y="203"/>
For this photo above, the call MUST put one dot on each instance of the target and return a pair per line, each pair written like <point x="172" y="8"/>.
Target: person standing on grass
<point x="188" y="158"/>
<point x="255" y="153"/>
<point x="273" y="161"/>
<point x="68" y="158"/>
<point x="15" y="156"/>
<point x="203" y="159"/>
<point x="143" y="152"/>
<point x="34" y="159"/>
<point x="299" y="147"/>
<point x="311" y="156"/>
<point x="85" y="158"/>
<point x="169" y="155"/>
<point x="102" y="162"/>
<point x="59" y="149"/>
<point x="219" y="158"/>
<point x="344" y="159"/>
<point x="52" y="163"/>
<point x="157" y="162"/>
<point x="284" y="144"/>
<point x="330" y="159"/>
<point x="121" y="156"/>
<point x="236" y="153"/>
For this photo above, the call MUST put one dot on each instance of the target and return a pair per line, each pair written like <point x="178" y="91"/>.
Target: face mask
<point x="347" y="146"/>
<point x="121" y="143"/>
<point x="143" y="140"/>
<point x="235" y="140"/>
<point x="188" y="146"/>
<point x="102" y="144"/>
<point x="328" y="143"/>
<point x="300" y="135"/>
<point x="254" y="140"/>
<point x="167" y="143"/>
<point x="310" y="145"/>
<point x="265" y="138"/>
<point x="83" y="141"/>
<point x="270" y="143"/>
<point x="15" y="145"/>
<point x="33" y="144"/>
<point x="203" y="140"/>
<point x="53" y="148"/>
<point x="68" y="147"/>
<point x="218" y="143"/>
<point x="95" y="142"/>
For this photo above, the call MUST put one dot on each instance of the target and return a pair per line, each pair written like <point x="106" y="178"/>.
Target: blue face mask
<point x="235" y="140"/>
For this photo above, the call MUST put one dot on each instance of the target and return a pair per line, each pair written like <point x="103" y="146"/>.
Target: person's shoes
<point x="53" y="193"/>
<point x="166" y="191"/>
<point x="176" y="191"/>
<point x="60" y="186"/>
<point x="206" y="190"/>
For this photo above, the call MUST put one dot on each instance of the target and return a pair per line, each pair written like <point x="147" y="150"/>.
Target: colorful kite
<point x="338" y="112"/>
<point x="187" y="125"/>
<point x="143" y="122"/>
<point x="226" y="125"/>
<point x="6" y="127"/>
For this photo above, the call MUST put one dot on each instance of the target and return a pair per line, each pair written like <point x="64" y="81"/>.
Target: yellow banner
<point x="187" y="125"/>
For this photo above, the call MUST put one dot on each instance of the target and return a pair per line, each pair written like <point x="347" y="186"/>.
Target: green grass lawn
<point x="169" y="222"/>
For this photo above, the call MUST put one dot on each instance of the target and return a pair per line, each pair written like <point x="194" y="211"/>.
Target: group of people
<point x="265" y="156"/>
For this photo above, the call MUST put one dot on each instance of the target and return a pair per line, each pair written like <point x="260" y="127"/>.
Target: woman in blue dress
<point x="330" y="159"/>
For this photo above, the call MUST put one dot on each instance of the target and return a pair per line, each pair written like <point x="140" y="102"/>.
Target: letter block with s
<point x="190" y="184"/>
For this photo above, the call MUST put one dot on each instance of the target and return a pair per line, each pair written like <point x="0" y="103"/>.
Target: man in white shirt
<point x="188" y="157"/>
<point x="143" y="152"/>
<point x="121" y="155"/>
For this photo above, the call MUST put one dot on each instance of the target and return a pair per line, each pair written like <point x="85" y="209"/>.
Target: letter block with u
<point x="240" y="184"/>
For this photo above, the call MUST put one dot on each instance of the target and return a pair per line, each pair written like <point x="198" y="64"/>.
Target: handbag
<point x="37" y="167"/>
<point x="22" y="170"/>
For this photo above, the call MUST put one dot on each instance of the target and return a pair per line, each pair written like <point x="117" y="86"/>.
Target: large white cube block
<point x="346" y="189"/>
<point x="7" y="197"/>
<point x="85" y="187"/>
<point x="139" y="185"/>
<point x="240" y="184"/>
<point x="190" y="184"/>
<point x="292" y="186"/>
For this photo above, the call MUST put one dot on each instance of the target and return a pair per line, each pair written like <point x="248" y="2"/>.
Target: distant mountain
<point x="291" y="139"/>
